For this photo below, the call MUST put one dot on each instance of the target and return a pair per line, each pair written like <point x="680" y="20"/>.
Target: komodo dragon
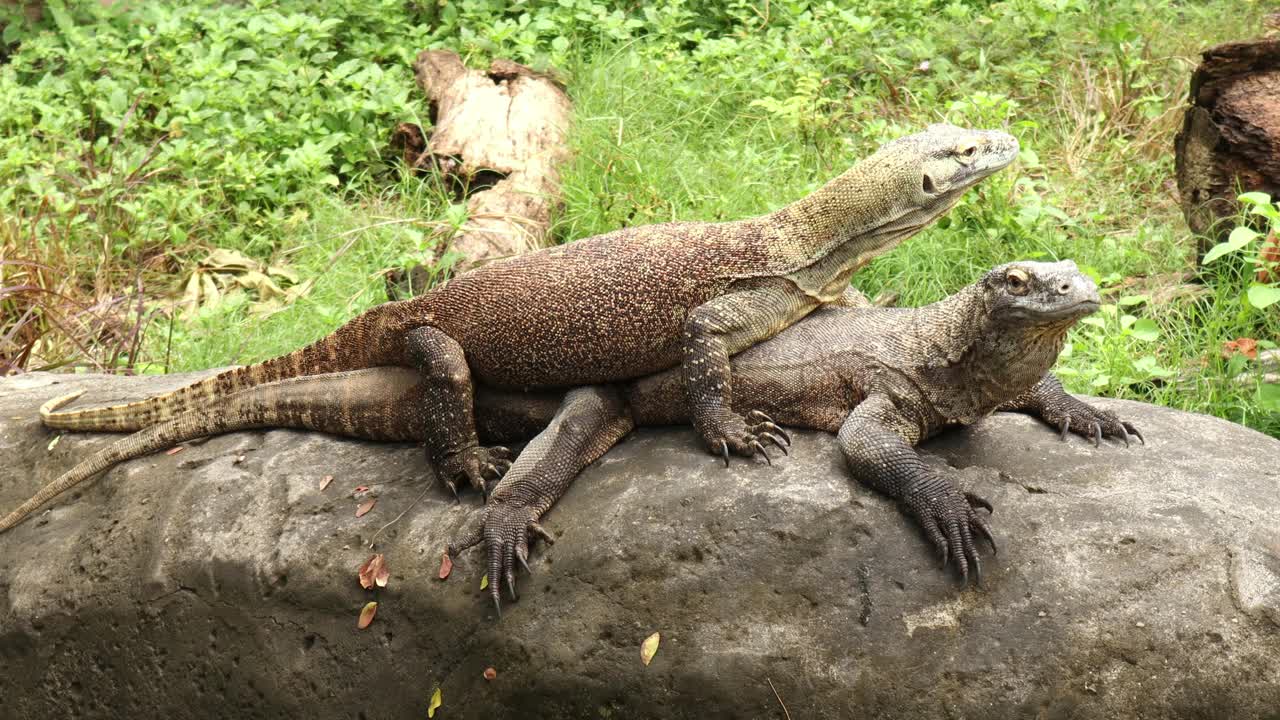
<point x="881" y="379"/>
<point x="623" y="305"/>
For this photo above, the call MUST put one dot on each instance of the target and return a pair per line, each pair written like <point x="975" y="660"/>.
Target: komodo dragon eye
<point x="1018" y="281"/>
<point x="967" y="150"/>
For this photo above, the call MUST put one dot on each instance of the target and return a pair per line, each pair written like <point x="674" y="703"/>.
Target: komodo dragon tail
<point x="361" y="343"/>
<point x="355" y="404"/>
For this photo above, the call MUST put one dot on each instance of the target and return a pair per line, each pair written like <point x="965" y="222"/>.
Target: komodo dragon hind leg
<point x="1048" y="401"/>
<point x="447" y="400"/>
<point x="877" y="443"/>
<point x="589" y="422"/>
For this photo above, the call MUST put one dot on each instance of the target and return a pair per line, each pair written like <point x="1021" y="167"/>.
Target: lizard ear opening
<point x="928" y="185"/>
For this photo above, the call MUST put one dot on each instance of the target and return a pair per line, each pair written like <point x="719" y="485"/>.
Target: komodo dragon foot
<point x="1054" y="405"/>
<point x="474" y="465"/>
<point x="1094" y="423"/>
<point x="507" y="528"/>
<point x="950" y="520"/>
<point x="747" y="437"/>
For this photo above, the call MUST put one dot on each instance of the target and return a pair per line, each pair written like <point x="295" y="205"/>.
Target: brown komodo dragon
<point x="623" y="305"/>
<point x="881" y="379"/>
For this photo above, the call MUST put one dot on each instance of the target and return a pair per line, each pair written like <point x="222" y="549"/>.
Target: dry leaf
<point x="484" y="581"/>
<point x="649" y="648"/>
<point x="365" y="507"/>
<point x="173" y="450"/>
<point x="54" y="442"/>
<point x="435" y="703"/>
<point x="370" y="570"/>
<point x="359" y="489"/>
<point x="490" y="673"/>
<point x="446" y="565"/>
<point x="1247" y="347"/>
<point x="366" y="615"/>
<point x="324" y="482"/>
<point x="239" y="459"/>
<point x="382" y="574"/>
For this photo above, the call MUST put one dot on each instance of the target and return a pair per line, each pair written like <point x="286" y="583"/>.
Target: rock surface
<point x="1135" y="583"/>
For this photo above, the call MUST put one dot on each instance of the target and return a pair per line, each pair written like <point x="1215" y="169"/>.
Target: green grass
<point x="705" y="111"/>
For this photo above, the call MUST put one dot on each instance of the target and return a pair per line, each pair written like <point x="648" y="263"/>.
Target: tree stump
<point x="498" y="138"/>
<point x="1230" y="137"/>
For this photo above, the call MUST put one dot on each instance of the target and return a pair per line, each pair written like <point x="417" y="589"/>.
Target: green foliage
<point x="143" y="134"/>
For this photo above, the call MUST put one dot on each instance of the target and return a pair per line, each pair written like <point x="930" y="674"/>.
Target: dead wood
<point x="498" y="140"/>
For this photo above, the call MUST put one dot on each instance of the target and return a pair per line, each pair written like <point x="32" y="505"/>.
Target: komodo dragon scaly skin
<point x="623" y="305"/>
<point x="881" y="379"/>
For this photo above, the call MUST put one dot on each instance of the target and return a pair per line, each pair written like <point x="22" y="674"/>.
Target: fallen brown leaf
<point x="446" y="565"/>
<point x="359" y="489"/>
<point x="365" y="507"/>
<point x="382" y="574"/>
<point x="369" y="571"/>
<point x="1247" y="347"/>
<point x="366" y="615"/>
<point x="324" y="482"/>
<point x="173" y="450"/>
<point x="490" y="673"/>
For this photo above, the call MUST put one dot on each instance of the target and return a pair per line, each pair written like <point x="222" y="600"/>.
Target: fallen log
<point x="498" y="140"/>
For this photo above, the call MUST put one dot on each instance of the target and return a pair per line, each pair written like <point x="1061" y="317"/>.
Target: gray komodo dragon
<point x="623" y="305"/>
<point x="881" y="379"/>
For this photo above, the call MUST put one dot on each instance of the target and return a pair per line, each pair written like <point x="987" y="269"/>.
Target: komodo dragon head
<point x="932" y="169"/>
<point x="1049" y="297"/>
<point x="882" y="200"/>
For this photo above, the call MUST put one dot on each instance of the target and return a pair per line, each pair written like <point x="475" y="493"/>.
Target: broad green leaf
<point x="1241" y="236"/>
<point x="1127" y="321"/>
<point x="1255" y="198"/>
<point x="1148" y="365"/>
<point x="1269" y="397"/>
<point x="1261" y="296"/>
<point x="1128" y="300"/>
<point x="1145" y="329"/>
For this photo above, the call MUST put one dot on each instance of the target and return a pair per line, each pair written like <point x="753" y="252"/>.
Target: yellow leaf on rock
<point x="649" y="648"/>
<point x="366" y="615"/>
<point x="484" y="581"/>
<point x="435" y="703"/>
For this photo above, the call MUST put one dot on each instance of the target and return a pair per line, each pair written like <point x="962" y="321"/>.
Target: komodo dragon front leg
<point x="1050" y="402"/>
<point x="724" y="327"/>
<point x="589" y="422"/>
<point x="877" y="440"/>
<point x="448" y="404"/>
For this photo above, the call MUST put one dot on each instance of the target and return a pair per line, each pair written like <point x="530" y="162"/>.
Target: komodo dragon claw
<point x="507" y="529"/>
<point x="949" y="522"/>
<point x="1075" y="416"/>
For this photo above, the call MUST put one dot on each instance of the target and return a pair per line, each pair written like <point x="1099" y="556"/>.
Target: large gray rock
<point x="1130" y="583"/>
